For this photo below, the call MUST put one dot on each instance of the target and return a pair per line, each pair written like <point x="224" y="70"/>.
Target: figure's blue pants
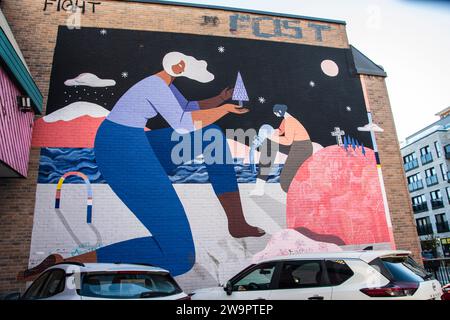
<point x="135" y="164"/>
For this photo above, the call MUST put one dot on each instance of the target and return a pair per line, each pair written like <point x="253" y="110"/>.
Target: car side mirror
<point x="12" y="296"/>
<point x="228" y="288"/>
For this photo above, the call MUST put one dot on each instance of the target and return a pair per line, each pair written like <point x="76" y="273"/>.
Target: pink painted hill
<point x="336" y="192"/>
<point x="77" y="133"/>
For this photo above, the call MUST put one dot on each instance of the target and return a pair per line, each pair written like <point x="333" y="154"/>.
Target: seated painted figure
<point x="136" y="164"/>
<point x="292" y="139"/>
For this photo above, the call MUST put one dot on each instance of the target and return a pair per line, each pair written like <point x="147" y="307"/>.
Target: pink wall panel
<point x="15" y="127"/>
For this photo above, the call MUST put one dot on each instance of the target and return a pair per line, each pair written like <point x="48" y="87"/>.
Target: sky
<point x="409" y="38"/>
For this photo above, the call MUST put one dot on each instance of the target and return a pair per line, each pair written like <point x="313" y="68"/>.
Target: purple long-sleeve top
<point x="149" y="97"/>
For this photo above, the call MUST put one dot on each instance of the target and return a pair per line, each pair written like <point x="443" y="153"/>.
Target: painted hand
<point x="232" y="108"/>
<point x="226" y="94"/>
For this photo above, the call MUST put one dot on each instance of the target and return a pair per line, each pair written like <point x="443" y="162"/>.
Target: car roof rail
<point x="137" y="263"/>
<point x="71" y="262"/>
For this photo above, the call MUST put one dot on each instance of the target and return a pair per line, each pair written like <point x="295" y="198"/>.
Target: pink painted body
<point x="15" y="127"/>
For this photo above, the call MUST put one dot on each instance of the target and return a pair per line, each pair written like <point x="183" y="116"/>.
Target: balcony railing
<point x="437" y="203"/>
<point x="432" y="180"/>
<point x="442" y="227"/>
<point x="411" y="165"/>
<point x="420" y="207"/>
<point x="426" y="158"/>
<point x="425" y="230"/>
<point x="414" y="186"/>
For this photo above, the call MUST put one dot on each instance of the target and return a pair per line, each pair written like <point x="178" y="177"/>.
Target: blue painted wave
<point x="55" y="162"/>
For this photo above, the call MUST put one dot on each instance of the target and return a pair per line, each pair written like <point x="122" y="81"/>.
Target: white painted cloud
<point x="90" y="80"/>
<point x="76" y="110"/>
<point x="371" y="127"/>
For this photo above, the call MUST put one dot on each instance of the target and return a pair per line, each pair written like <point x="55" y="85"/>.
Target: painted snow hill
<point x="340" y="188"/>
<point x="62" y="128"/>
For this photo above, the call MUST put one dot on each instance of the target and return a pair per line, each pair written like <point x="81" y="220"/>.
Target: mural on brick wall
<point x="202" y="154"/>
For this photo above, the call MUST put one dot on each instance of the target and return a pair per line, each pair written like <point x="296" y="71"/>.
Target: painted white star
<point x="348" y="108"/>
<point x="221" y="49"/>
<point x="103" y="32"/>
<point x="124" y="74"/>
<point x="262" y="100"/>
<point x="312" y="84"/>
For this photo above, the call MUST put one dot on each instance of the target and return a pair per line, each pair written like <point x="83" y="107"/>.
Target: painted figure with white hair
<point x="136" y="163"/>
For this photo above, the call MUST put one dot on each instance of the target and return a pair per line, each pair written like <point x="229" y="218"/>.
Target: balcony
<point x="442" y="227"/>
<point x="426" y="158"/>
<point x="437" y="203"/>
<point x="422" y="207"/>
<point x="411" y="165"/>
<point x="425" y="230"/>
<point x="432" y="180"/>
<point x="414" y="186"/>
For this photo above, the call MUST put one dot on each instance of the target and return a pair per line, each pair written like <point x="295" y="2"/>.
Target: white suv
<point x="100" y="281"/>
<point x="356" y="275"/>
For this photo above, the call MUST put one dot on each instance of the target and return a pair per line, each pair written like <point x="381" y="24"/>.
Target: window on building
<point x="441" y="223"/>
<point x="431" y="177"/>
<point x="419" y="203"/>
<point x="435" y="195"/>
<point x="425" y="155"/>
<point x="410" y="162"/>
<point x="424" y="226"/>
<point x="443" y="172"/>
<point x="436" y="199"/>
<point x="415" y="182"/>
<point x="430" y="172"/>
<point x="419" y="199"/>
<point x="409" y="158"/>
<point x="447" y="150"/>
<point x="448" y="194"/>
<point x="437" y="146"/>
<point x="414" y="178"/>
<point x="425" y="150"/>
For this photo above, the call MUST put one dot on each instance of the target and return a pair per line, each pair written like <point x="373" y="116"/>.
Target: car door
<point x="301" y="280"/>
<point x="254" y="284"/>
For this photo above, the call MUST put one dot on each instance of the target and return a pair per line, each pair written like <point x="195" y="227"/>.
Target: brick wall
<point x="402" y="217"/>
<point x="35" y="31"/>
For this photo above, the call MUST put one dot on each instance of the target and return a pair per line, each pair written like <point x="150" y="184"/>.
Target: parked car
<point x="358" y="275"/>
<point x="100" y="281"/>
<point x="446" y="292"/>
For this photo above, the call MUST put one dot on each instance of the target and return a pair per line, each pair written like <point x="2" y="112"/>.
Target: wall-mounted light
<point x="24" y="104"/>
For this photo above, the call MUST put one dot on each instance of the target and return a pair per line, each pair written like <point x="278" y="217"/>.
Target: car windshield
<point x="128" y="285"/>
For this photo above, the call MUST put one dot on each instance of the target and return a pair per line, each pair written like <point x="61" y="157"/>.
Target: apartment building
<point x="426" y="159"/>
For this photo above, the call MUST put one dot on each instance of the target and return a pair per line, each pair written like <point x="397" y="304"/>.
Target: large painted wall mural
<point x="202" y="154"/>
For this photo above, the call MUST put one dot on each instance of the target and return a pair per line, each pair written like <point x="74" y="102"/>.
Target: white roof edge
<point x="7" y="30"/>
<point x="414" y="138"/>
<point x="367" y="255"/>
<point x="111" y="267"/>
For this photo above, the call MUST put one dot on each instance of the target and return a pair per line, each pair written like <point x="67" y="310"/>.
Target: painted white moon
<point x="330" y="68"/>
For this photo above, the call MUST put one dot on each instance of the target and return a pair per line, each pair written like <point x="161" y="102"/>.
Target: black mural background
<point x="279" y="72"/>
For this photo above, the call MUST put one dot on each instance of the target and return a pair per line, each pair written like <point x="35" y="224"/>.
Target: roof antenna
<point x="369" y="248"/>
